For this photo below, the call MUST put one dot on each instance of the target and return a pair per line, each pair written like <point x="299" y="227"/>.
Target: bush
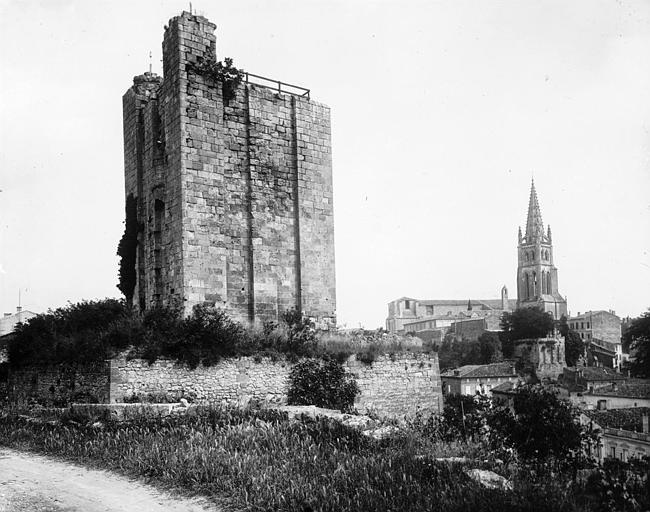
<point x="541" y="425"/>
<point x="75" y="332"/>
<point x="526" y="323"/>
<point x="463" y="416"/>
<point x="621" y="486"/>
<point x="323" y="384"/>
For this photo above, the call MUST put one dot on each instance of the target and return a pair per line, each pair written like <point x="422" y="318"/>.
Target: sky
<point x="442" y="112"/>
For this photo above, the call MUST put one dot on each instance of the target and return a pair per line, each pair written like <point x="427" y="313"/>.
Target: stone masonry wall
<point x="396" y="385"/>
<point x="60" y="384"/>
<point x="390" y="386"/>
<point x="543" y="356"/>
<point x="235" y="194"/>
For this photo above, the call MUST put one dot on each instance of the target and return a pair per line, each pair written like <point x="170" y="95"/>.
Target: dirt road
<point x="35" y="483"/>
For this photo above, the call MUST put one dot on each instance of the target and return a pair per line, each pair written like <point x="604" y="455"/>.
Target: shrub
<point x="526" y="323"/>
<point x="463" y="416"/>
<point x="541" y="424"/>
<point x="71" y="333"/>
<point x="323" y="384"/>
<point x="368" y="355"/>
<point x="621" y="486"/>
<point x="301" y="335"/>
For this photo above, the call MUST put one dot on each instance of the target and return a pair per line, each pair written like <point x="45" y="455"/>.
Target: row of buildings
<point x="537" y="286"/>
<point x="611" y="402"/>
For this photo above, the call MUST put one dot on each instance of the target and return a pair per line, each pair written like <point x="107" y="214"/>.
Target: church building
<point x="537" y="283"/>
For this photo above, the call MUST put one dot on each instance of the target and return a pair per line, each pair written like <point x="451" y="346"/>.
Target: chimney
<point x="456" y="373"/>
<point x="644" y="422"/>
<point x="19" y="309"/>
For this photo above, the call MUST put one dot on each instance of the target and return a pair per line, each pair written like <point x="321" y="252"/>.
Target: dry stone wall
<point x="393" y="385"/>
<point x="396" y="385"/>
<point x="60" y="384"/>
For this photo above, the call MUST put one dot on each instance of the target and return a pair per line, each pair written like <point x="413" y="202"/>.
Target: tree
<point x="525" y="323"/>
<point x="637" y="336"/>
<point x="539" y="424"/>
<point x="127" y="250"/>
<point x="574" y="347"/>
<point x="455" y="351"/>
<point x="490" y="348"/>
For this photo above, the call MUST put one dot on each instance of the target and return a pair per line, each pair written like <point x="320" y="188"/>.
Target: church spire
<point x="534" y="224"/>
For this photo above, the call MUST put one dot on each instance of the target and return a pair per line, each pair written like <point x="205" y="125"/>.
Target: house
<point x="472" y="379"/>
<point x="602" y="325"/>
<point x="616" y="395"/>
<point x="589" y="378"/>
<point x="623" y="433"/>
<point x="9" y="320"/>
<point x="601" y="332"/>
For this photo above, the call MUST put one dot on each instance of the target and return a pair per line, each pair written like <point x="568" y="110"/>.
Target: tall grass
<point x="258" y="460"/>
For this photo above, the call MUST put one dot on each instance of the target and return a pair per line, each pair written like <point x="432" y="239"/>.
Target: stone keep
<point x="234" y="194"/>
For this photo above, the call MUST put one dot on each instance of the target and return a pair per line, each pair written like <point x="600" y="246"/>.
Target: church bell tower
<point x="537" y="284"/>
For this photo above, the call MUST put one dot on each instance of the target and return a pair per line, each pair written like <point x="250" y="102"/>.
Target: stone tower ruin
<point x="234" y="191"/>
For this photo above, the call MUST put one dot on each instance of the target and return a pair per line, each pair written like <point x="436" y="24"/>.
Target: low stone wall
<point x="60" y="384"/>
<point x="393" y="385"/>
<point x="230" y="380"/>
<point x="398" y="384"/>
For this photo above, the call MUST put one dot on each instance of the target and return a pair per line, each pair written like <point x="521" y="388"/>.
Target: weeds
<point x="259" y="460"/>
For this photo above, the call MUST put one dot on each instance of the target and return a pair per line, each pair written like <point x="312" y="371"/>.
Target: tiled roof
<point x="632" y="388"/>
<point x="504" y="387"/>
<point x="473" y="371"/>
<point x="592" y="373"/>
<point x="625" y="419"/>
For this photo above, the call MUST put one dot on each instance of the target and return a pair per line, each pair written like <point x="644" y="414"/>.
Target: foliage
<point x="455" y="351"/>
<point x="208" y="335"/>
<point x="540" y="424"/>
<point x="574" y="347"/>
<point x="322" y="383"/>
<point x="96" y="330"/>
<point x="224" y="72"/>
<point x="259" y="460"/>
<point x="525" y="323"/>
<point x="71" y="333"/>
<point x="301" y="334"/>
<point x="637" y="337"/>
<point x="464" y="416"/>
<point x="490" y="348"/>
<point x="127" y="250"/>
<point x="621" y="486"/>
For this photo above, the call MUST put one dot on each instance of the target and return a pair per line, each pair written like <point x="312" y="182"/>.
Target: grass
<point x="259" y="460"/>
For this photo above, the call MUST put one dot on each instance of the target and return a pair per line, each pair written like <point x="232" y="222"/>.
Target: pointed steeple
<point x="534" y="224"/>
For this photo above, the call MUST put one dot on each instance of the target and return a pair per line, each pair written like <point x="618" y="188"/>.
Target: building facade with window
<point x="601" y="331"/>
<point x="602" y="325"/>
<point x="623" y="433"/>
<point x="472" y="379"/>
<point x="421" y="314"/>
